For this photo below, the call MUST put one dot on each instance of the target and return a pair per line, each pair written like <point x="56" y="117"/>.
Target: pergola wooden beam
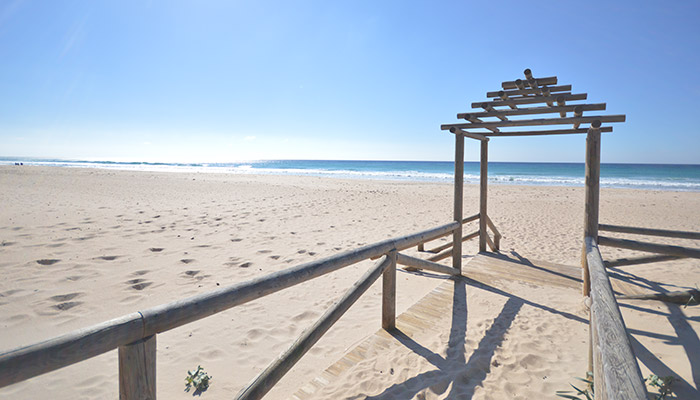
<point x="530" y="111"/>
<point x="527" y="91"/>
<point x="541" y="133"/>
<point x="550" y="80"/>
<point x="529" y="100"/>
<point x="536" y="122"/>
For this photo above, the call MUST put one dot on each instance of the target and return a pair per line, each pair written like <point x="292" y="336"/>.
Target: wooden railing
<point x="665" y="252"/>
<point x="616" y="373"/>
<point x="135" y="334"/>
<point x="444" y="250"/>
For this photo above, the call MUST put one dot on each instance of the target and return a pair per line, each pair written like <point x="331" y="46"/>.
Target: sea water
<point x="636" y="176"/>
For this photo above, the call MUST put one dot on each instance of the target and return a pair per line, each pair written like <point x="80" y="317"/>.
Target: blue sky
<point x="235" y="80"/>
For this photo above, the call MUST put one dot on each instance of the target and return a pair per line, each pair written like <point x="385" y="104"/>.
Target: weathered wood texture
<point x="137" y="370"/>
<point x="441" y="256"/>
<point x="532" y="110"/>
<point x="425" y="264"/>
<point x="615" y="368"/>
<point x="524" y="92"/>
<point x="620" y="262"/>
<point x="449" y="244"/>
<point x="27" y="362"/>
<point x="389" y="293"/>
<point x="650" y="231"/>
<point x="535" y="122"/>
<point x="528" y="100"/>
<point x="670" y="250"/>
<point x="496" y="234"/>
<point x="483" y="194"/>
<point x="279" y="367"/>
<point x="477" y="136"/>
<point x="592" y="198"/>
<point x="458" y="202"/>
<point x="683" y="297"/>
<point x="550" y="80"/>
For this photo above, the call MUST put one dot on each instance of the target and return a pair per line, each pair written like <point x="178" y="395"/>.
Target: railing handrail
<point x="36" y="359"/>
<point x="616" y="373"/>
<point x="649" y="231"/>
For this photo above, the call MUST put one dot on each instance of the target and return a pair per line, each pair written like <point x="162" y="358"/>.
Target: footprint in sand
<point x="156" y="249"/>
<point x="138" y="284"/>
<point x="246" y="264"/>
<point x="187" y="260"/>
<point x="67" y="305"/>
<point x="65" y="297"/>
<point x="264" y="251"/>
<point x="107" y="258"/>
<point x="236" y="240"/>
<point x="141" y="272"/>
<point x="275" y="257"/>
<point x="47" y="261"/>
<point x="191" y="273"/>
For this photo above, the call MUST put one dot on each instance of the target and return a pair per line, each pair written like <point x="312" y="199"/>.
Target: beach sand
<point x="81" y="246"/>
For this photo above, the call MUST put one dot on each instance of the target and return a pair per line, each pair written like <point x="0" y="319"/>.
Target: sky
<point x="224" y="81"/>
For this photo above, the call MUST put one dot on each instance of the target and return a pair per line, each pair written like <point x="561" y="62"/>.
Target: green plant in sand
<point x="198" y="379"/>
<point x="662" y="384"/>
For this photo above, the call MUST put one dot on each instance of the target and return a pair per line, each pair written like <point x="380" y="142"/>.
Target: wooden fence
<point x="135" y="334"/>
<point x="615" y="370"/>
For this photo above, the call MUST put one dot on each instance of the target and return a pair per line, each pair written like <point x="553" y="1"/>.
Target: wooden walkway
<point x="486" y="268"/>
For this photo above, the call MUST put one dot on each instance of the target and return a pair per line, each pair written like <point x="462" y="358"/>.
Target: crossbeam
<point x="536" y="122"/>
<point x="530" y="100"/>
<point x="531" y="111"/>
<point x="550" y="80"/>
<point x="525" y="92"/>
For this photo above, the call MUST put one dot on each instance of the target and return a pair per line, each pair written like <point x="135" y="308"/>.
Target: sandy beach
<point x="81" y="246"/>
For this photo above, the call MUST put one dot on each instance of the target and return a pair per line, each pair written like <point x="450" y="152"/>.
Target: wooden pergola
<point x="506" y="111"/>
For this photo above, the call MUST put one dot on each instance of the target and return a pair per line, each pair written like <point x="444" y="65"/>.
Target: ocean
<point x="634" y="176"/>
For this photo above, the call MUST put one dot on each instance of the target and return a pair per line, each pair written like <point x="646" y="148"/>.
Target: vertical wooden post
<point x="459" y="194"/>
<point x="137" y="370"/>
<point x="483" y="191"/>
<point x="592" y="194"/>
<point x="389" y="294"/>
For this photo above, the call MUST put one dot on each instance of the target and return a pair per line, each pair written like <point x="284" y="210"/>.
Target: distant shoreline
<point x="668" y="177"/>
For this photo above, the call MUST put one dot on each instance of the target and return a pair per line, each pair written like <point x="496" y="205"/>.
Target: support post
<point x="389" y="294"/>
<point x="137" y="370"/>
<point x="483" y="190"/>
<point x="459" y="194"/>
<point x="592" y="193"/>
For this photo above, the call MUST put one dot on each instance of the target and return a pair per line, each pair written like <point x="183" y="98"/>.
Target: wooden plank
<point x="528" y="100"/>
<point x="650" y="231"/>
<point x="491" y="112"/>
<point x="474" y="119"/>
<point x="536" y="122"/>
<point x="641" y="260"/>
<point x="670" y="250"/>
<point x="483" y="192"/>
<point x="425" y="264"/>
<point x="525" y="91"/>
<point x="592" y="199"/>
<point x="458" y="202"/>
<point x="496" y="234"/>
<point x="448" y="245"/>
<point x="137" y="370"/>
<point x="389" y="294"/>
<point x="616" y="372"/>
<point x="441" y="256"/>
<point x="27" y="362"/>
<point x="492" y="245"/>
<point x="279" y="367"/>
<point x="477" y="136"/>
<point x="550" y="80"/>
<point x="544" y="132"/>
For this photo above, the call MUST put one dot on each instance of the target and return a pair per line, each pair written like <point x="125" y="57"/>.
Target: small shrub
<point x="198" y="379"/>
